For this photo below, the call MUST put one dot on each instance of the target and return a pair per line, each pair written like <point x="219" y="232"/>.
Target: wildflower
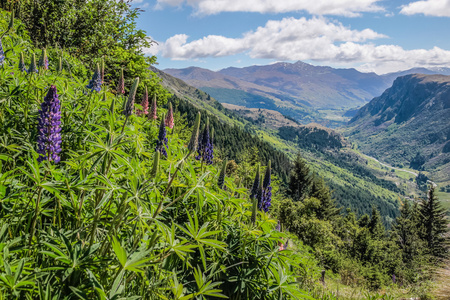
<point x="33" y="68"/>
<point x="221" y="180"/>
<point x="256" y="184"/>
<point x="2" y="53"/>
<point x="155" y="164"/>
<point x="130" y="103"/>
<point x="278" y="227"/>
<point x="96" y="82"/>
<point x="169" y="117"/>
<point x="49" y="127"/>
<point x="144" y="104"/>
<point x="193" y="143"/>
<point x="60" y="65"/>
<point x="153" y="109"/>
<point x="205" y="150"/>
<point x="43" y="60"/>
<point x="161" y="144"/>
<point x="102" y="71"/>
<point x="121" y="85"/>
<point x="266" y="199"/>
<point x="22" y="66"/>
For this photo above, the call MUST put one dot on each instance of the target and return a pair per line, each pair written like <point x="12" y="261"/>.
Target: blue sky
<point x="369" y="35"/>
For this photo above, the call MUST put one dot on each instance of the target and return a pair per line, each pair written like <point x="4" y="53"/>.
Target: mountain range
<point x="408" y="125"/>
<point x="298" y="90"/>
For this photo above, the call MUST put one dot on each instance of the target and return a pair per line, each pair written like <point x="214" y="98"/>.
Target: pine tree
<point x="320" y="191"/>
<point x="406" y="233"/>
<point x="375" y="225"/>
<point x="435" y="225"/>
<point x="300" y="180"/>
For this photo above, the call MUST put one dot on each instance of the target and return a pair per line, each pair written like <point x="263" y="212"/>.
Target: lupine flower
<point x="33" y="68"/>
<point x="121" y="84"/>
<point x="193" y="143"/>
<point x="60" y="65"/>
<point x="256" y="183"/>
<point x="205" y="150"/>
<point x="130" y="103"/>
<point x="221" y="180"/>
<point x="43" y="60"/>
<point x="155" y="164"/>
<point x="102" y="70"/>
<point x="278" y="227"/>
<point x="2" y="53"/>
<point x="161" y="144"/>
<point x="96" y="82"/>
<point x="49" y="127"/>
<point x="260" y="194"/>
<point x="169" y="117"/>
<point x="144" y="104"/>
<point x="393" y="278"/>
<point x="266" y="199"/>
<point x="22" y="66"/>
<point x="153" y="109"/>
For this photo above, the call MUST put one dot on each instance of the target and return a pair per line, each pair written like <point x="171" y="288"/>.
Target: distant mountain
<point x="409" y="124"/>
<point x="298" y="90"/>
<point x="300" y="84"/>
<point x="357" y="186"/>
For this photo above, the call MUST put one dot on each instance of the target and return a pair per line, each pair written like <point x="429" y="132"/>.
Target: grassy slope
<point x="340" y="177"/>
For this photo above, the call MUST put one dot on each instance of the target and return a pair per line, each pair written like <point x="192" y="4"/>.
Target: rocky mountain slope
<point x="299" y="90"/>
<point x="409" y="124"/>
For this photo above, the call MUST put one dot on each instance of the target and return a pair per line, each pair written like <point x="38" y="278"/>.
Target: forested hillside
<point x="112" y="188"/>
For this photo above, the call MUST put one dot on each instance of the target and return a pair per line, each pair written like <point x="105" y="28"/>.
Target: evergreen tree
<point x="375" y="225"/>
<point x="435" y="224"/>
<point x="321" y="191"/>
<point x="300" y="179"/>
<point x="406" y="233"/>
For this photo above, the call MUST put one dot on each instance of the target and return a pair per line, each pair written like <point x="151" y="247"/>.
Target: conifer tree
<point x="320" y="190"/>
<point x="300" y="179"/>
<point x="376" y="227"/>
<point x="435" y="225"/>
<point x="406" y="233"/>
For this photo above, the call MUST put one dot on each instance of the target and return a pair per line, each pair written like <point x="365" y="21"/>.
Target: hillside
<point x="408" y="125"/>
<point x="116" y="187"/>
<point x="302" y="91"/>
<point x="357" y="186"/>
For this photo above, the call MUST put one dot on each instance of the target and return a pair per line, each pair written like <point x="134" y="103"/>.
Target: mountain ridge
<point x="408" y="124"/>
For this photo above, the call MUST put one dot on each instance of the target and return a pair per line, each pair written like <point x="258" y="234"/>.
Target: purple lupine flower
<point x="256" y="183"/>
<point x="43" y="60"/>
<point x="161" y="144"/>
<point x="121" y="84"/>
<point x="22" y="66"/>
<point x="205" y="149"/>
<point x="266" y="199"/>
<point x="144" y="104"/>
<point x="278" y="227"/>
<point x="393" y="278"/>
<point x="169" y="117"/>
<point x="2" y="53"/>
<point x="96" y="82"/>
<point x="49" y="127"/>
<point x="33" y="68"/>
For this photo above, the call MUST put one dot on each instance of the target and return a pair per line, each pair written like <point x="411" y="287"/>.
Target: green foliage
<point x="113" y="220"/>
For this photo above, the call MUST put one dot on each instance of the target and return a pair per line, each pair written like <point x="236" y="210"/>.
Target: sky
<point x="370" y="35"/>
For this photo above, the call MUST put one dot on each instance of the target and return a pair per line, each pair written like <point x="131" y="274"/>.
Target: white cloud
<point x="315" y="39"/>
<point x="438" y="8"/>
<point x="349" y="8"/>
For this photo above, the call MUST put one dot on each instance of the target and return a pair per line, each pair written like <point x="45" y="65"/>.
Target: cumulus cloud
<point x="349" y="8"/>
<point x="438" y="8"/>
<point x="315" y="39"/>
